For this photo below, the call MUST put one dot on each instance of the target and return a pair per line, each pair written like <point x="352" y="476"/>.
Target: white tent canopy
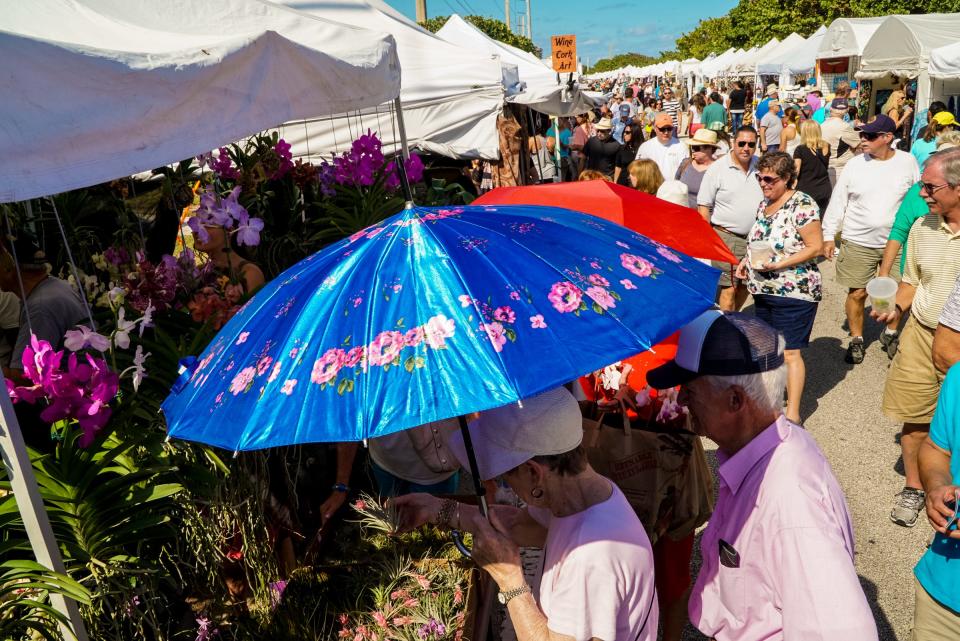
<point x="710" y="67"/>
<point x="793" y="59"/>
<point x="100" y="90"/>
<point x="901" y="45"/>
<point x="945" y="62"/>
<point x="451" y="95"/>
<point x="542" y="92"/>
<point x="747" y="65"/>
<point x="847" y="37"/>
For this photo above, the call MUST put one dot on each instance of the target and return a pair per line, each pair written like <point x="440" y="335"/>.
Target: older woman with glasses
<point x="703" y="146"/>
<point x="780" y="267"/>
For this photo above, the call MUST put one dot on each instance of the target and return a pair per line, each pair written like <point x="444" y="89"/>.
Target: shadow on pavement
<point x="825" y="370"/>
<point x="884" y="629"/>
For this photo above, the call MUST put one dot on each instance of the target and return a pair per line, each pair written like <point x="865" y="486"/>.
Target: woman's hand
<point x="742" y="272"/>
<point x="495" y="551"/>
<point x="415" y="510"/>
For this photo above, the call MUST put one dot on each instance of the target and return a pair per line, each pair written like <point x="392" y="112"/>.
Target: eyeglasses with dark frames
<point x="666" y="129"/>
<point x="768" y="180"/>
<point x="747" y="143"/>
<point x="930" y="188"/>
<point x="870" y="135"/>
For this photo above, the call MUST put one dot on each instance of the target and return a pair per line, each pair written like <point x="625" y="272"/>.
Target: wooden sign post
<point x="564" y="53"/>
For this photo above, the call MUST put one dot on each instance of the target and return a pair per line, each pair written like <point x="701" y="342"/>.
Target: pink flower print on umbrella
<point x="465" y="301"/>
<point x="627" y="283"/>
<point x="288" y="386"/>
<point x="275" y="373"/>
<point x="505" y="314"/>
<point x="496" y="334"/>
<point x="565" y="297"/>
<point x="597" y="279"/>
<point x="414" y="337"/>
<point x="438" y="329"/>
<point x="385" y="348"/>
<point x="354" y="356"/>
<point x="242" y="338"/>
<point x="601" y="297"/>
<point x="669" y="255"/>
<point x="636" y="265"/>
<point x="537" y="322"/>
<point x="623" y="244"/>
<point x="514" y="295"/>
<point x="326" y="368"/>
<point x="242" y="380"/>
<point x="263" y="365"/>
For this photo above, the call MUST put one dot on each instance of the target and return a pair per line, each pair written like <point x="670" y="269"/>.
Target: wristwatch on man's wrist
<point x="505" y="597"/>
<point x="340" y="487"/>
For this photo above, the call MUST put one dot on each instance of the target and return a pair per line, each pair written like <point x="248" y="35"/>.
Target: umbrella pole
<point x="404" y="154"/>
<point x="474" y="468"/>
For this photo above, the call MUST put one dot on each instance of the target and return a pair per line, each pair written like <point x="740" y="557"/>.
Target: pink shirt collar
<point x="733" y="469"/>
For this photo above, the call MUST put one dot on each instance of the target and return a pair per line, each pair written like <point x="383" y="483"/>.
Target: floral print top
<point x="782" y="230"/>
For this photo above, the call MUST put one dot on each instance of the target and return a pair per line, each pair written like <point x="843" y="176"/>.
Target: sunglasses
<point x="868" y="135"/>
<point x="931" y="189"/>
<point x="747" y="143"/>
<point x="768" y="180"/>
<point x="701" y="148"/>
<point x="665" y="130"/>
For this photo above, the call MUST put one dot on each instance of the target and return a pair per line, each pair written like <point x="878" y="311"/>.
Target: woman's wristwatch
<point x="505" y="597"/>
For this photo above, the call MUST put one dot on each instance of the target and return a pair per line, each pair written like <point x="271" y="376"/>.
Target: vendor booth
<point x="840" y="49"/>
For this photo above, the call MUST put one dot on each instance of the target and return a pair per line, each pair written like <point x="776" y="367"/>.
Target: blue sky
<point x="602" y="27"/>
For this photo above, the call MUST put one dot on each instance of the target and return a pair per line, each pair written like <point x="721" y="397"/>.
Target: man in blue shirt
<point x="937" y="609"/>
<point x="564" y="167"/>
<point x="764" y="106"/>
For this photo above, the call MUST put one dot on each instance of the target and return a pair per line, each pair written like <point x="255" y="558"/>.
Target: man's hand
<point x="941" y="508"/>
<point x="495" y="552"/>
<point x="415" y="510"/>
<point x="828" y="248"/>
<point x="331" y="506"/>
<point x="887" y="318"/>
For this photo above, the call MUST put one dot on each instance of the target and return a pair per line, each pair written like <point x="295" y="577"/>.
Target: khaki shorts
<point x="931" y="619"/>
<point x="857" y="264"/>
<point x="913" y="383"/>
<point x="738" y="247"/>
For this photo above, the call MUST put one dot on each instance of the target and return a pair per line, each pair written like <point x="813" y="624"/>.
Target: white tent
<point x="709" y="67"/>
<point x="747" y="65"/>
<point x="794" y="60"/>
<point x="451" y="96"/>
<point x="847" y="37"/>
<point x="901" y="44"/>
<point x="98" y="90"/>
<point x="541" y="92"/>
<point x="945" y="62"/>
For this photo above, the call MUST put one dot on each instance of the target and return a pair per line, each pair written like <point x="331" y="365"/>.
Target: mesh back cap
<point x="720" y="344"/>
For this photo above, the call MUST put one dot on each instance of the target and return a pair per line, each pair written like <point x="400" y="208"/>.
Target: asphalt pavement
<point x="841" y="408"/>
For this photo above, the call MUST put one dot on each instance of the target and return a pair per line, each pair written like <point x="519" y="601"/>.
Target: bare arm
<point x="889" y="255"/>
<point x="946" y="347"/>
<point x="704" y="212"/>
<point x="346" y="453"/>
<point x="938" y="484"/>
<point x="616" y="174"/>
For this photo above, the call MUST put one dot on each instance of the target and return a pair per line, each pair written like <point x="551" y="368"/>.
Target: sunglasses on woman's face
<point x="768" y="180"/>
<point x="701" y="148"/>
<point x="747" y="143"/>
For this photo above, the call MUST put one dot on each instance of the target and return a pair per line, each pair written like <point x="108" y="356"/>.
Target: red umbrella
<point x="678" y="227"/>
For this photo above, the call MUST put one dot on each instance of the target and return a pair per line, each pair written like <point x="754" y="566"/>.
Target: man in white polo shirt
<point x="865" y="201"/>
<point x="728" y="199"/>
<point x="664" y="148"/>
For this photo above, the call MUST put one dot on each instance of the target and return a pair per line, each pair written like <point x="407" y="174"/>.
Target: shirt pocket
<point x="732" y="591"/>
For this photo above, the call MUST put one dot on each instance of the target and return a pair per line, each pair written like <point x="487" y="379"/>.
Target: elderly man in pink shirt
<point x="778" y="551"/>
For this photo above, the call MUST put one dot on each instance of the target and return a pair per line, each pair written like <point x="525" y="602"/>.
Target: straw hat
<point x="605" y="123"/>
<point x="703" y="136"/>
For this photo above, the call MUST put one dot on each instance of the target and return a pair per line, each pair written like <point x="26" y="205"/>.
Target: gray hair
<point x="949" y="161"/>
<point x="949" y="137"/>
<point x="764" y="389"/>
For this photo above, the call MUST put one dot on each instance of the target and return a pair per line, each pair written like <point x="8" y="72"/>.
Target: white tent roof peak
<point x="793" y="56"/>
<point x="108" y="88"/>
<point x="847" y="37"/>
<point x="901" y="45"/>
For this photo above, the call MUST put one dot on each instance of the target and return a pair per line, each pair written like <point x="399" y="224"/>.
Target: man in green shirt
<point x="714" y="115"/>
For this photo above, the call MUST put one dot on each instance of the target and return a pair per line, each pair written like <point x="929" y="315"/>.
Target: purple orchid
<point x="414" y="168"/>
<point x="248" y="230"/>
<point x="223" y="165"/>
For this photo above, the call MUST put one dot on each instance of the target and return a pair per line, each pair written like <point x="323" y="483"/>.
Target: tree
<point x="496" y="29"/>
<point x="622" y="60"/>
<point x="710" y="35"/>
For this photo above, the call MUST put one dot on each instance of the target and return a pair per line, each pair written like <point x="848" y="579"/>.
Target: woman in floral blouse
<point x="785" y="286"/>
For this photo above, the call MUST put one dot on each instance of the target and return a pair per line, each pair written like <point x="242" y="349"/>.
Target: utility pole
<point x="529" y="21"/>
<point x="421" y="10"/>
<point x="506" y="13"/>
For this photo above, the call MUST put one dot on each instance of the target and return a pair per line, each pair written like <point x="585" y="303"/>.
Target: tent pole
<point x="35" y="520"/>
<point x="404" y="147"/>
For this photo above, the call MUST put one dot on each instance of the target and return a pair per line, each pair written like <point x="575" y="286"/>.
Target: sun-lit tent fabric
<point x="901" y="45"/>
<point x="747" y="65"/>
<point x="847" y="37"/>
<point x="945" y="62"/>
<point x="542" y="91"/>
<point x="110" y="88"/>
<point x="708" y="68"/>
<point x="451" y="96"/>
<point x="796" y="57"/>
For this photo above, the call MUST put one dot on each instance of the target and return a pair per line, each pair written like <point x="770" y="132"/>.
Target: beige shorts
<point x="857" y="264"/>
<point x="738" y="247"/>
<point x="913" y="383"/>
<point x="931" y="619"/>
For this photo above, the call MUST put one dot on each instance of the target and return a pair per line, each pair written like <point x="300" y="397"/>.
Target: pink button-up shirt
<point x="778" y="551"/>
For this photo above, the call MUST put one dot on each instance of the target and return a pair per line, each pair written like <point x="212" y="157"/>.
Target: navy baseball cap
<point x="880" y="125"/>
<point x="720" y="344"/>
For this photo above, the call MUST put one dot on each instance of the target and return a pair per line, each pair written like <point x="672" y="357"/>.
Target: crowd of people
<point x="786" y="186"/>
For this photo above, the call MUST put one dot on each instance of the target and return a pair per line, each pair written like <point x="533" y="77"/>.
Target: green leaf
<point x="342" y="386"/>
<point x="615" y="295"/>
<point x="597" y="308"/>
<point x="509" y="333"/>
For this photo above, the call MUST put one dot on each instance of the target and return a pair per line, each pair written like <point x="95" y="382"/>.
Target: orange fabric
<point x="678" y="227"/>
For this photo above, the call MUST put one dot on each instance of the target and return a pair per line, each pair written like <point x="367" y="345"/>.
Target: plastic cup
<point x="761" y="252"/>
<point x="882" y="292"/>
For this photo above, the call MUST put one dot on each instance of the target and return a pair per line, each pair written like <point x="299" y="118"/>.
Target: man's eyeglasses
<point x="747" y="143"/>
<point x="869" y="135"/>
<point x="768" y="180"/>
<point x="931" y="189"/>
<point x="666" y="130"/>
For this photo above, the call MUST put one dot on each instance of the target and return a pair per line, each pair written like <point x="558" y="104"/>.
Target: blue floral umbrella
<point x="431" y="314"/>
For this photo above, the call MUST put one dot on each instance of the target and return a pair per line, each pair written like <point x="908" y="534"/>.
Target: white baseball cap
<point x="508" y="436"/>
